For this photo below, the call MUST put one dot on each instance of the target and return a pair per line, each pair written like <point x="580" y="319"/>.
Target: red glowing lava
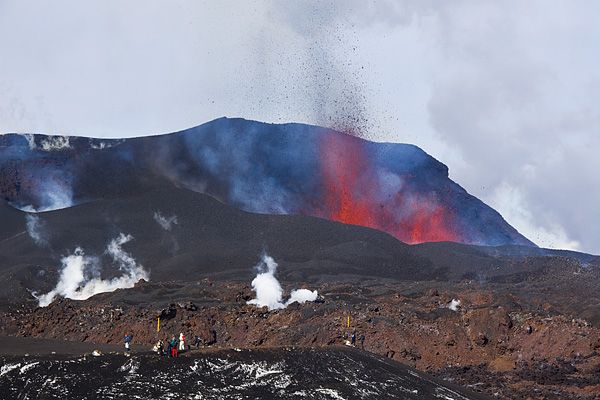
<point x="343" y="163"/>
<point x="428" y="222"/>
<point x="352" y="194"/>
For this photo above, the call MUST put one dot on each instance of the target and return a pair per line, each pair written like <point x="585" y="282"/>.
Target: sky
<point x="504" y="93"/>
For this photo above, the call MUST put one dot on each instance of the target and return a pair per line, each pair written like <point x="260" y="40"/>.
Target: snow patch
<point x="5" y="369"/>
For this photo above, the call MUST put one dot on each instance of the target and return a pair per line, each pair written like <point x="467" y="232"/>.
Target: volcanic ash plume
<point x="36" y="230"/>
<point x="268" y="290"/>
<point x="80" y="276"/>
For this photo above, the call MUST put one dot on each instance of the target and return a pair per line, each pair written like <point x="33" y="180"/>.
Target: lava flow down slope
<point x="260" y="168"/>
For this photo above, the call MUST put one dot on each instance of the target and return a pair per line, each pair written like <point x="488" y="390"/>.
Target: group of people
<point x="175" y="345"/>
<point x="178" y="344"/>
<point x="350" y="339"/>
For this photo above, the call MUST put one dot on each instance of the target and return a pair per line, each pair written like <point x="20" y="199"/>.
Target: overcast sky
<point x="505" y="93"/>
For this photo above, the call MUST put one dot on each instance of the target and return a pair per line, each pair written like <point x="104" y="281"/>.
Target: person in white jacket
<point x="181" y="344"/>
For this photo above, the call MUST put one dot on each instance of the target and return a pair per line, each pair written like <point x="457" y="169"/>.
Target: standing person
<point x="353" y="339"/>
<point x="174" y="347"/>
<point x="170" y="347"/>
<point x="198" y="341"/>
<point x="181" y="342"/>
<point x="361" y="339"/>
<point x="127" y="340"/>
<point x="160" y="347"/>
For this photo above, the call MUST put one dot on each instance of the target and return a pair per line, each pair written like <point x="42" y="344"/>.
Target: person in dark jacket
<point x="127" y="340"/>
<point x="197" y="341"/>
<point x="170" y="347"/>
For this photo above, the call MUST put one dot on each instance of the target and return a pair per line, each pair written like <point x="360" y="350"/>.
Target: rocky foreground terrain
<point x="507" y="322"/>
<point x="507" y="340"/>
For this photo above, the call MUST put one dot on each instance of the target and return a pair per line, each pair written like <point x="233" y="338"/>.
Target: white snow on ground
<point x="27" y="367"/>
<point x="8" y="367"/>
<point x="448" y="394"/>
<point x="131" y="366"/>
<point x="331" y="393"/>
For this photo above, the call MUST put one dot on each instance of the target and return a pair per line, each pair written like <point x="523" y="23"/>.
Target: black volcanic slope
<point x="289" y="373"/>
<point x="212" y="239"/>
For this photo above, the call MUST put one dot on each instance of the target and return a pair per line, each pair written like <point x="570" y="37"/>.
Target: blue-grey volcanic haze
<point x="261" y="168"/>
<point x="503" y="93"/>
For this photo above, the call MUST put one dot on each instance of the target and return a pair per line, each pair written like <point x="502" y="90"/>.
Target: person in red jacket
<point x="174" y="343"/>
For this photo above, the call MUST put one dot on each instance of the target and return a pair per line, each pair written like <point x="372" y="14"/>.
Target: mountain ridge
<point x="262" y="168"/>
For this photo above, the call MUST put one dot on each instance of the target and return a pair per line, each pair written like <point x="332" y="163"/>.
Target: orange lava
<point x="350" y="195"/>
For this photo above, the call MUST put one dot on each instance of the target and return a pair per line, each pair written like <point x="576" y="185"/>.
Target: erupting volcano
<point x="99" y="236"/>
<point x="261" y="168"/>
<point x="356" y="193"/>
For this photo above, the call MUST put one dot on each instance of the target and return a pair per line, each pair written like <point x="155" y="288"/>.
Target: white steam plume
<point x="454" y="304"/>
<point x="30" y="139"/>
<point x="35" y="228"/>
<point x="267" y="287"/>
<point x="55" y="143"/>
<point x="302" y="296"/>
<point x="165" y="223"/>
<point x="80" y="276"/>
<point x="268" y="290"/>
<point x="55" y="193"/>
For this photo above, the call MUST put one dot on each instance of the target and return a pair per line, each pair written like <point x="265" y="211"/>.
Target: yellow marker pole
<point x="348" y="321"/>
<point x="158" y="325"/>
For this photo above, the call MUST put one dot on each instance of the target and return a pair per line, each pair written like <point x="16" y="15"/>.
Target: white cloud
<point x="510" y="202"/>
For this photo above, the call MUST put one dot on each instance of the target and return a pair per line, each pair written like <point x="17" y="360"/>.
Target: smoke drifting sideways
<point x="80" y="276"/>
<point x="268" y="290"/>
